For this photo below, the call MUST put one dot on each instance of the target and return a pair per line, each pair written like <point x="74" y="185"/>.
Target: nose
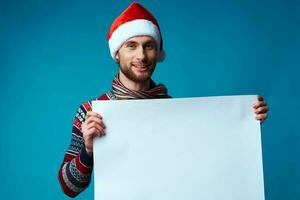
<point x="140" y="54"/>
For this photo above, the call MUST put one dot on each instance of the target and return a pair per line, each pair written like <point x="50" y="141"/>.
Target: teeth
<point x="140" y="66"/>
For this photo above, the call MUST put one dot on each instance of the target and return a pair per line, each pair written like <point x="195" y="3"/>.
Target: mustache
<point x="144" y="64"/>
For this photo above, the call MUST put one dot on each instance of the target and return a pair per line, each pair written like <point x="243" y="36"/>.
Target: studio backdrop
<point x="54" y="56"/>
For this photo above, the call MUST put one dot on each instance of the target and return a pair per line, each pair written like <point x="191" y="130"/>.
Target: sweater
<point x="75" y="171"/>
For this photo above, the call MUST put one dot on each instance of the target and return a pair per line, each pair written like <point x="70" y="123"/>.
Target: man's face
<point x="137" y="58"/>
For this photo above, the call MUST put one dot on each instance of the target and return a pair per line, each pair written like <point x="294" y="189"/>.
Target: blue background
<point x="54" y="55"/>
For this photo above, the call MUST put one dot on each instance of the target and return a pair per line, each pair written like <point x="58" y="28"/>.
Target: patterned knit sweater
<point x="75" y="172"/>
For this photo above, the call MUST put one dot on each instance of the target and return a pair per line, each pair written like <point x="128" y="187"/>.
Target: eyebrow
<point x="134" y="42"/>
<point x="150" y="42"/>
<point x="130" y="42"/>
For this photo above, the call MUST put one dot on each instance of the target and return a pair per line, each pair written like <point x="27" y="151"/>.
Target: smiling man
<point x="137" y="60"/>
<point x="135" y="43"/>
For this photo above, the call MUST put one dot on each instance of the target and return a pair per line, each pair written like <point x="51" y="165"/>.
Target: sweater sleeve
<point x="75" y="171"/>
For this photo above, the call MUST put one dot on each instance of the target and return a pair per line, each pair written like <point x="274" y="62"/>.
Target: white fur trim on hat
<point x="131" y="29"/>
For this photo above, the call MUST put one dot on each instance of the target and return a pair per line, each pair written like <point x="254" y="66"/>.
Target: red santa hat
<point x="134" y="21"/>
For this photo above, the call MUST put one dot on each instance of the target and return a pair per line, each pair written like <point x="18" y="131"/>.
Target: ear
<point x="117" y="57"/>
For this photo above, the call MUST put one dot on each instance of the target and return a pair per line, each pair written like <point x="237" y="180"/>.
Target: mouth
<point x="141" y="68"/>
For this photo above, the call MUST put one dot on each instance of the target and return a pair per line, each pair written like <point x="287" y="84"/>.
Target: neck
<point x="132" y="85"/>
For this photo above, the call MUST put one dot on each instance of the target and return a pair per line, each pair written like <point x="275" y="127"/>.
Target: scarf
<point x="155" y="92"/>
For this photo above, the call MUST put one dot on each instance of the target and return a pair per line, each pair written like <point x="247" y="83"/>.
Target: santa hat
<point x="134" y="21"/>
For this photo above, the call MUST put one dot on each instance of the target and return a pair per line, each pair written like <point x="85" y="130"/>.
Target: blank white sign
<point x="179" y="149"/>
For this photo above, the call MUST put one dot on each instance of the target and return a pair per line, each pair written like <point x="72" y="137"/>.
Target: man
<point x="135" y="43"/>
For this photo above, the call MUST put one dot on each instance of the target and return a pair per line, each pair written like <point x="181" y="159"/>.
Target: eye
<point x="131" y="45"/>
<point x="150" y="46"/>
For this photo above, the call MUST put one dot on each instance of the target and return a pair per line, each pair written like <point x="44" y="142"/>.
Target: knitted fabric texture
<point x="75" y="171"/>
<point x="120" y="91"/>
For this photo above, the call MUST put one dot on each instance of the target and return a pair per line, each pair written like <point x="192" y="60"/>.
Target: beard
<point x="142" y="77"/>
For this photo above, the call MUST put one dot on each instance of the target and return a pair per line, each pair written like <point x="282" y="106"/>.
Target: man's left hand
<point x="260" y="108"/>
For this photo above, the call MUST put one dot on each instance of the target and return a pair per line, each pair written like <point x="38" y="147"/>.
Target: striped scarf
<point x="121" y="92"/>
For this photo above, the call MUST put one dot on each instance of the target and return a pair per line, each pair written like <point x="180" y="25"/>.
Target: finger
<point x="95" y="131"/>
<point x="91" y="113"/>
<point x="261" y="116"/>
<point x="100" y="132"/>
<point x="95" y="119"/>
<point x="261" y="110"/>
<point x="92" y="125"/>
<point x="95" y="124"/>
<point x="259" y="104"/>
<point x="89" y="134"/>
<point x="259" y="98"/>
<point x="84" y="127"/>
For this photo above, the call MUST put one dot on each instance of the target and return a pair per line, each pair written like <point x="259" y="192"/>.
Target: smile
<point x="141" y="67"/>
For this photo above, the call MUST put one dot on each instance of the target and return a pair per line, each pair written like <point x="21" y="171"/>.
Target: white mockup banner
<point x="179" y="149"/>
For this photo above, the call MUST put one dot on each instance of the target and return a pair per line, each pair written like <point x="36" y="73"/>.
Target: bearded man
<point x="136" y="44"/>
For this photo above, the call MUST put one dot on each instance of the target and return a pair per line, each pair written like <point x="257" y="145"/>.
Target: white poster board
<point x="179" y="149"/>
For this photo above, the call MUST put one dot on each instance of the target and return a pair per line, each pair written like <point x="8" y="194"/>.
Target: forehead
<point x="140" y="39"/>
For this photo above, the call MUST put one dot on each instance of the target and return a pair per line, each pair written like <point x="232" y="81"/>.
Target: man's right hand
<point x="92" y="126"/>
